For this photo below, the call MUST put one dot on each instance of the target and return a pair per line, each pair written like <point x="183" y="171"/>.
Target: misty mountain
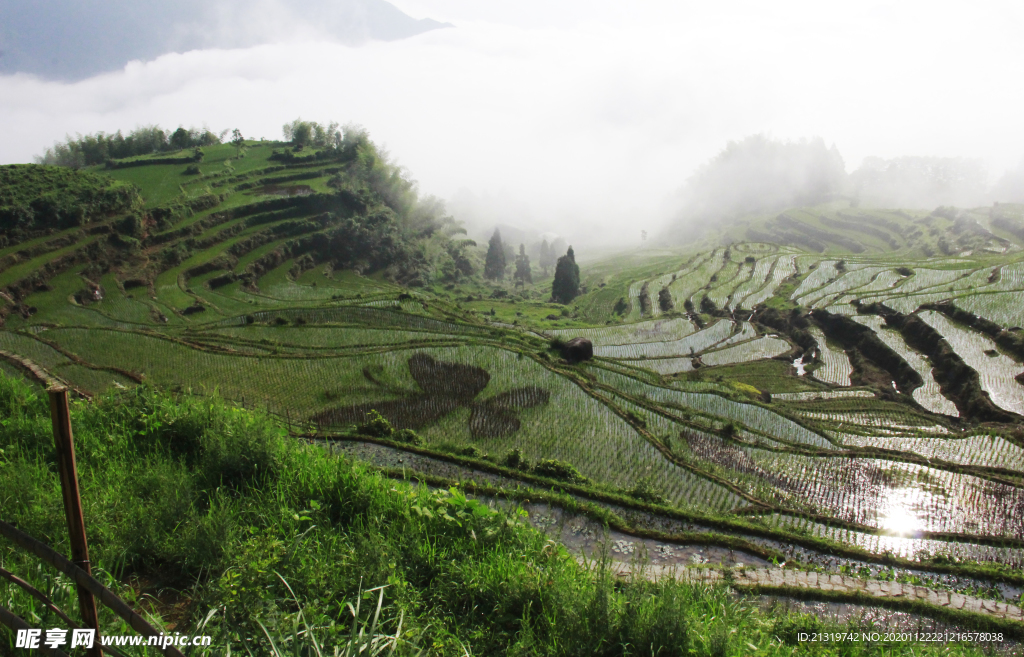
<point x="76" y="39"/>
<point x="920" y="182"/>
<point x="1010" y="188"/>
<point x="482" y="213"/>
<point x="757" y="175"/>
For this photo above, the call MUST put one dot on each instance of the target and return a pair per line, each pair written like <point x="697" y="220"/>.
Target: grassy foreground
<point x="213" y="518"/>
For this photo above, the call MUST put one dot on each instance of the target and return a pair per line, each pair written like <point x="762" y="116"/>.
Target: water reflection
<point x="898" y="518"/>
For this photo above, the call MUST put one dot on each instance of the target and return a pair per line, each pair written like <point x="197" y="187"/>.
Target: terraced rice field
<point x="818" y="395"/>
<point x="997" y="371"/>
<point x="835" y="368"/>
<point x="928" y="395"/>
<point x="766" y="347"/>
<point x="689" y="345"/>
<point x="982" y="450"/>
<point x="661" y="330"/>
<point x="713" y="419"/>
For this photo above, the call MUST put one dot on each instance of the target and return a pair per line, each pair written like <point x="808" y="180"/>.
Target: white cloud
<point x="587" y="111"/>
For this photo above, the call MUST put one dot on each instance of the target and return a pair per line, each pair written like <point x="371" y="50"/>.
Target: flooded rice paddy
<point x="590" y="539"/>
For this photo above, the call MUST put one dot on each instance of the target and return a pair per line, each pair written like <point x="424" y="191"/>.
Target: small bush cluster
<point x="376" y="425"/>
<point x="559" y="470"/>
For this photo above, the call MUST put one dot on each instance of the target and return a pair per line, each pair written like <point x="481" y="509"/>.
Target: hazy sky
<point x="588" y="112"/>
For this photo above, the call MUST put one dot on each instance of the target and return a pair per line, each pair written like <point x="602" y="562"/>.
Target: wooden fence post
<point x="60" y="414"/>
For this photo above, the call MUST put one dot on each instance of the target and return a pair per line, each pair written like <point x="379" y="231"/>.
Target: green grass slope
<point x="264" y="543"/>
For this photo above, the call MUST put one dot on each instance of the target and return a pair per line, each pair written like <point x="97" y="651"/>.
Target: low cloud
<point x="587" y="115"/>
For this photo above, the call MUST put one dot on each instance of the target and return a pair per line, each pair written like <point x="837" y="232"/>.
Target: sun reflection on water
<point x="898" y="517"/>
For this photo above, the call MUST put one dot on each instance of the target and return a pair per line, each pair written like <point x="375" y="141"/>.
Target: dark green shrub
<point x="559" y="470"/>
<point x="515" y="460"/>
<point x="193" y="170"/>
<point x="376" y="425"/>
<point x="407" y="436"/>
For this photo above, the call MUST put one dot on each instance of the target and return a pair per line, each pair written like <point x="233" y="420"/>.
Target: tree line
<point x="566" y="284"/>
<point x="82" y="151"/>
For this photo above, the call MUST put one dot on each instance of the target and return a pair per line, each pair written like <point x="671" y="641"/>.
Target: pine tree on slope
<point x="494" y="264"/>
<point x="566" y="285"/>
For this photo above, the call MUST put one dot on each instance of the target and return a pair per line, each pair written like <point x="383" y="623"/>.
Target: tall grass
<point x="211" y="518"/>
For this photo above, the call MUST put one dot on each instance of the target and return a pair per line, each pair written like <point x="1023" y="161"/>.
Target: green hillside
<point x="272" y="547"/>
<point x="833" y="389"/>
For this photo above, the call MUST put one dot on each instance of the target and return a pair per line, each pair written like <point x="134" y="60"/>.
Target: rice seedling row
<point x="818" y="395"/>
<point x="803" y="263"/>
<point x="624" y="334"/>
<point x="733" y="275"/>
<point x="686" y="285"/>
<point x="1006" y="308"/>
<point x="766" y="347"/>
<point x="888" y="420"/>
<point x="755" y="417"/>
<point x="827" y="295"/>
<point x="654" y="285"/>
<point x="976" y="280"/>
<point x="908" y="304"/>
<point x="901" y="497"/>
<point x="1011" y="277"/>
<point x="883" y="281"/>
<point x="983" y="450"/>
<point x="758" y="278"/>
<point x="746" y="332"/>
<point x="666" y="365"/>
<point x="635" y="311"/>
<point x="679" y="484"/>
<point x="353" y="315"/>
<point x="928" y="278"/>
<point x="41" y="354"/>
<point x="928" y="395"/>
<point x="818" y="278"/>
<point x="784" y="268"/>
<point x="691" y="344"/>
<point x="995" y="369"/>
<point x="905" y="547"/>
<point x="835" y="368"/>
<point x="321" y="338"/>
<point x="314" y="286"/>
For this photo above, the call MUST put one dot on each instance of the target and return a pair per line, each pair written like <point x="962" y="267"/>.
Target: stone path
<point x="799" y="579"/>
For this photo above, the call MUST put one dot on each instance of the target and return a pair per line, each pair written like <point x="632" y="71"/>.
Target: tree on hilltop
<point x="522" y="275"/>
<point x="238" y="141"/>
<point x="566" y="285"/>
<point x="495" y="263"/>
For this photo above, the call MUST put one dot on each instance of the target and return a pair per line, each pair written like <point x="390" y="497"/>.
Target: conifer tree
<point x="494" y="263"/>
<point x="523" y="275"/>
<point x="566" y="285"/>
<point x="546" y="256"/>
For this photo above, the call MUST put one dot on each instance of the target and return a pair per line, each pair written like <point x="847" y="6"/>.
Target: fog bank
<point x="591" y="115"/>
